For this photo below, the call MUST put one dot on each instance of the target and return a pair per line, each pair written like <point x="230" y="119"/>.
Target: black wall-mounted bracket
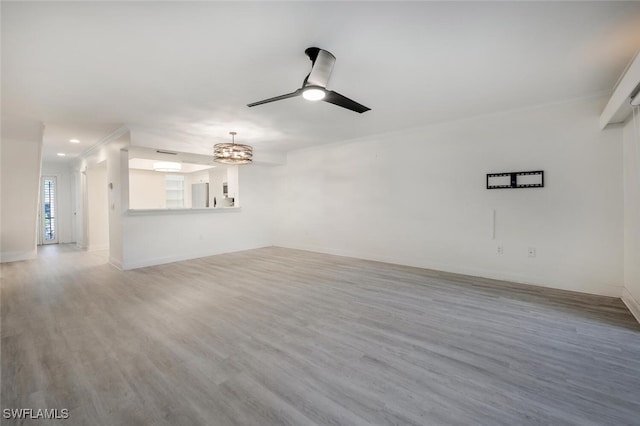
<point x="534" y="179"/>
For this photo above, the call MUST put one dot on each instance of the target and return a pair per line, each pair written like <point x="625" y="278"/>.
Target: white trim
<point x="179" y="258"/>
<point x="619" y="108"/>
<point x="153" y="212"/>
<point x="15" y="256"/>
<point x="115" y="262"/>
<point x="98" y="248"/>
<point x="459" y="121"/>
<point x="110" y="137"/>
<point x="610" y="290"/>
<point x="631" y="302"/>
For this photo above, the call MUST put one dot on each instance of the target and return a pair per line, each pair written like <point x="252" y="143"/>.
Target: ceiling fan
<point x="314" y="86"/>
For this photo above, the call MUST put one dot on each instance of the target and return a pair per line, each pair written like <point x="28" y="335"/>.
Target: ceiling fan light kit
<point x="232" y="153"/>
<point x="314" y="86"/>
<point x="313" y="94"/>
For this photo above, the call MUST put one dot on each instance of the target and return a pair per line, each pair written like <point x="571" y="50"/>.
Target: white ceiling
<point x="58" y="135"/>
<point x="188" y="70"/>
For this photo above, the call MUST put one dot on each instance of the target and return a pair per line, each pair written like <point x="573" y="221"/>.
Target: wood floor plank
<point x="277" y="336"/>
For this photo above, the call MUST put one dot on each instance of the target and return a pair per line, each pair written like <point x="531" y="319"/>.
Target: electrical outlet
<point x="500" y="249"/>
<point x="532" y="252"/>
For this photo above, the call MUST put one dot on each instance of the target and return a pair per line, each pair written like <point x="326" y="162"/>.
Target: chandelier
<point x="232" y="153"/>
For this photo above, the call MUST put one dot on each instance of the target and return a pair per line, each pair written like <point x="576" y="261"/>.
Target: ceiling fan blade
<point x="322" y="65"/>
<point x="340" y="100"/>
<point x="277" y="98"/>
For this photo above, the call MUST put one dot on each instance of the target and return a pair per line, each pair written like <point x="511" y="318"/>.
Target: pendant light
<point x="232" y="153"/>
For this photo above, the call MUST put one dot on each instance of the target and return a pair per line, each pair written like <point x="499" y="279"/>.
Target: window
<point x="174" y="185"/>
<point x="49" y="231"/>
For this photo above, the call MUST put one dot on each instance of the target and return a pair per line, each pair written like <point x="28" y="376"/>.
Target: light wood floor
<point x="284" y="337"/>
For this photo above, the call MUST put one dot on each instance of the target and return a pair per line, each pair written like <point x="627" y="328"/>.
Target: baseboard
<point x="127" y="265"/>
<point x="15" y="256"/>
<point x="631" y="302"/>
<point x="98" y="248"/>
<point x="597" y="289"/>
<point x="115" y="262"/>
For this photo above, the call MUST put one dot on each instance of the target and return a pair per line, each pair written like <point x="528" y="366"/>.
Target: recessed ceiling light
<point x="62" y="154"/>
<point x="74" y="140"/>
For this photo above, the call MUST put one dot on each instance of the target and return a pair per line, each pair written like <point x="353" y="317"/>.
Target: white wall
<point x="147" y="190"/>
<point x="117" y="194"/>
<point x="79" y="191"/>
<point x="199" y="177"/>
<point x="631" y="142"/>
<point x="418" y="197"/>
<point x="217" y="176"/>
<point x="172" y="235"/>
<point x="21" y="156"/>
<point x="65" y="198"/>
<point x="98" y="211"/>
<point x="233" y="189"/>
